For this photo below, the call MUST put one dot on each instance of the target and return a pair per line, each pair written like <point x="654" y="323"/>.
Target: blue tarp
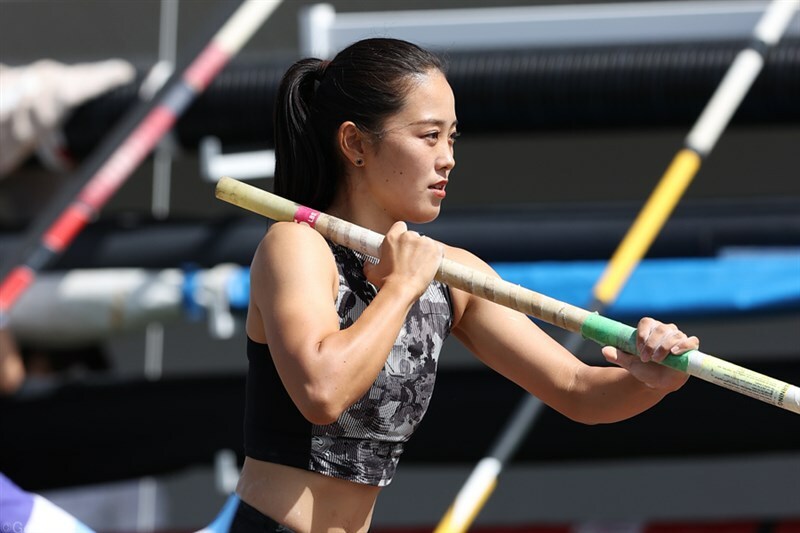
<point x="659" y="287"/>
<point x="729" y="284"/>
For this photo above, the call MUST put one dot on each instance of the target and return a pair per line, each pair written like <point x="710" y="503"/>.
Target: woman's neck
<point x="362" y="212"/>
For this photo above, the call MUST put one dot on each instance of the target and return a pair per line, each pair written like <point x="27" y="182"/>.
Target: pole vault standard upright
<point x="590" y="325"/>
<point x="677" y="178"/>
<point x="117" y="161"/>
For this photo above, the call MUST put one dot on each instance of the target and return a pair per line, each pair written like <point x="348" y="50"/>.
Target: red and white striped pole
<point x="126" y="156"/>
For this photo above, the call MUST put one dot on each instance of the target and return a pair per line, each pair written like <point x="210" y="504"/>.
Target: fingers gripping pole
<point x="590" y="325"/>
<point x="609" y="332"/>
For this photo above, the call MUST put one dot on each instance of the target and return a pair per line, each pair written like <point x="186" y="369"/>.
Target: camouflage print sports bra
<point x="365" y="444"/>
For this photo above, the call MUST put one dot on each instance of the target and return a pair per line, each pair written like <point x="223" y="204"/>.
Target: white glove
<point x="36" y="100"/>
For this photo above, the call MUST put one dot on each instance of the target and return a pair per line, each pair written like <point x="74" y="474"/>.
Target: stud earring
<point x="358" y="162"/>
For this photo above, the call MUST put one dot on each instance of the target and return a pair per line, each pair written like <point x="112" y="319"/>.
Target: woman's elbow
<point x="320" y="408"/>
<point x="580" y="414"/>
<point x="573" y="402"/>
<point x="586" y="411"/>
<point x="319" y="417"/>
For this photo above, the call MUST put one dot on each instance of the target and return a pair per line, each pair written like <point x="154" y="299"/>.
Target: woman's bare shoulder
<point x="466" y="258"/>
<point x="461" y="298"/>
<point x="292" y="264"/>
<point x="288" y="239"/>
<point x="289" y="251"/>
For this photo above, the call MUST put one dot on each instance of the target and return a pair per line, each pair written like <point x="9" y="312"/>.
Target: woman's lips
<point x="438" y="189"/>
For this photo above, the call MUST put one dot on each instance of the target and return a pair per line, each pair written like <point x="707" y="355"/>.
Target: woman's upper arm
<point x="293" y="279"/>
<point x="510" y="343"/>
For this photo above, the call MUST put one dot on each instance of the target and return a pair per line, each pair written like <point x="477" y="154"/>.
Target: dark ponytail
<point x="299" y="163"/>
<point x="365" y="83"/>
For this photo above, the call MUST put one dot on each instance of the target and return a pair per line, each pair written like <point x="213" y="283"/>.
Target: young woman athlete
<point x="342" y="350"/>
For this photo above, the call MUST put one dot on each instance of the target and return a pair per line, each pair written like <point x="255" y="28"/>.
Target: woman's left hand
<point x="655" y="341"/>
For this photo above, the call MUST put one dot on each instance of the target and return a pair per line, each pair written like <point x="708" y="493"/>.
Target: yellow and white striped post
<point x="648" y="224"/>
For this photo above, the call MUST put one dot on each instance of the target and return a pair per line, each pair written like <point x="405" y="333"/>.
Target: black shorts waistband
<point x="248" y="519"/>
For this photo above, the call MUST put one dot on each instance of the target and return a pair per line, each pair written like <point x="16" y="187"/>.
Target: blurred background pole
<point x="121" y="153"/>
<point x="167" y="57"/>
<point x="697" y="145"/>
<point x="146" y="515"/>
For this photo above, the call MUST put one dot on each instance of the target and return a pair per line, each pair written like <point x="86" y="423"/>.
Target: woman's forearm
<point x="610" y="394"/>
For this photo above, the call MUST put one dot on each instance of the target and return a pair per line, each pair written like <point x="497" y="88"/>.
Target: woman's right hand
<point x="407" y="258"/>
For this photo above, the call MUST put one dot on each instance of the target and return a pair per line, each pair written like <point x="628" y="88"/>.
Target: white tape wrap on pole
<point x="474" y="490"/>
<point x="775" y="20"/>
<point x="739" y="78"/>
<point x="244" y="23"/>
<point x="730" y="93"/>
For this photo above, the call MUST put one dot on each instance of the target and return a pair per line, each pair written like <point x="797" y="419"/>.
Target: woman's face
<point x="407" y="169"/>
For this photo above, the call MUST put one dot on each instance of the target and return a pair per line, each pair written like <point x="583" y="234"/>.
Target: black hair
<point x="365" y="83"/>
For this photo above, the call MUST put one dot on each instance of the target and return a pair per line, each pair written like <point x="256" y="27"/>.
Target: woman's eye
<point x="433" y="136"/>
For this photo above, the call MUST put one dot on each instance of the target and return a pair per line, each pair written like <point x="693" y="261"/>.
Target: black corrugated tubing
<point x="507" y="90"/>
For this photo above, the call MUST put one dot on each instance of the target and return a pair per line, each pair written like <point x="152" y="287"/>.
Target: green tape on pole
<point x="607" y="332"/>
<point x="678" y="362"/>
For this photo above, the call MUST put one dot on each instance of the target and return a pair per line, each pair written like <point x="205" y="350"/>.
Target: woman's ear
<point x="351" y="143"/>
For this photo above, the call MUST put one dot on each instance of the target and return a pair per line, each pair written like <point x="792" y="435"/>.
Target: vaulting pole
<point x="106" y="171"/>
<point x="600" y="329"/>
<point x="698" y="144"/>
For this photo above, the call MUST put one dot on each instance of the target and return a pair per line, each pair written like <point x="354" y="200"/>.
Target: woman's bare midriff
<point x="305" y="501"/>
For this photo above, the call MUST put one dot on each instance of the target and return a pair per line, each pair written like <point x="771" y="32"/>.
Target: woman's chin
<point x="424" y="216"/>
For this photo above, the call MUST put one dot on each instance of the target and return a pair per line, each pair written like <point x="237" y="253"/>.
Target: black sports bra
<point x="365" y="444"/>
